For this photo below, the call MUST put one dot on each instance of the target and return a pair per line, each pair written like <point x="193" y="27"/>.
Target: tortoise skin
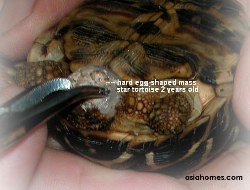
<point x="147" y="40"/>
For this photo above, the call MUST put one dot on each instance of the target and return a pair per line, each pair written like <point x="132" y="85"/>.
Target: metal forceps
<point x="34" y="106"/>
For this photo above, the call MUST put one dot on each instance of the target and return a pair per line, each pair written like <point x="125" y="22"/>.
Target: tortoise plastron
<point x="106" y="41"/>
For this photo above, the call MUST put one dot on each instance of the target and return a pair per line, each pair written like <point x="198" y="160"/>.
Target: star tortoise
<point x="163" y="42"/>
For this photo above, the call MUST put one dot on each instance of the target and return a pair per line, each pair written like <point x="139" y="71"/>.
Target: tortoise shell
<point x="186" y="49"/>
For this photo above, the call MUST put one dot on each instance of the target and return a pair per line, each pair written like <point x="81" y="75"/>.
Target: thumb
<point x="241" y="97"/>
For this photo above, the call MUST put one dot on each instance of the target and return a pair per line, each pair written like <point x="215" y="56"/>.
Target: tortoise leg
<point x="44" y="62"/>
<point x="170" y="114"/>
<point x="34" y="73"/>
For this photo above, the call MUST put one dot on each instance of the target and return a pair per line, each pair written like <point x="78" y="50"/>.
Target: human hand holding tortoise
<point x="47" y="159"/>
